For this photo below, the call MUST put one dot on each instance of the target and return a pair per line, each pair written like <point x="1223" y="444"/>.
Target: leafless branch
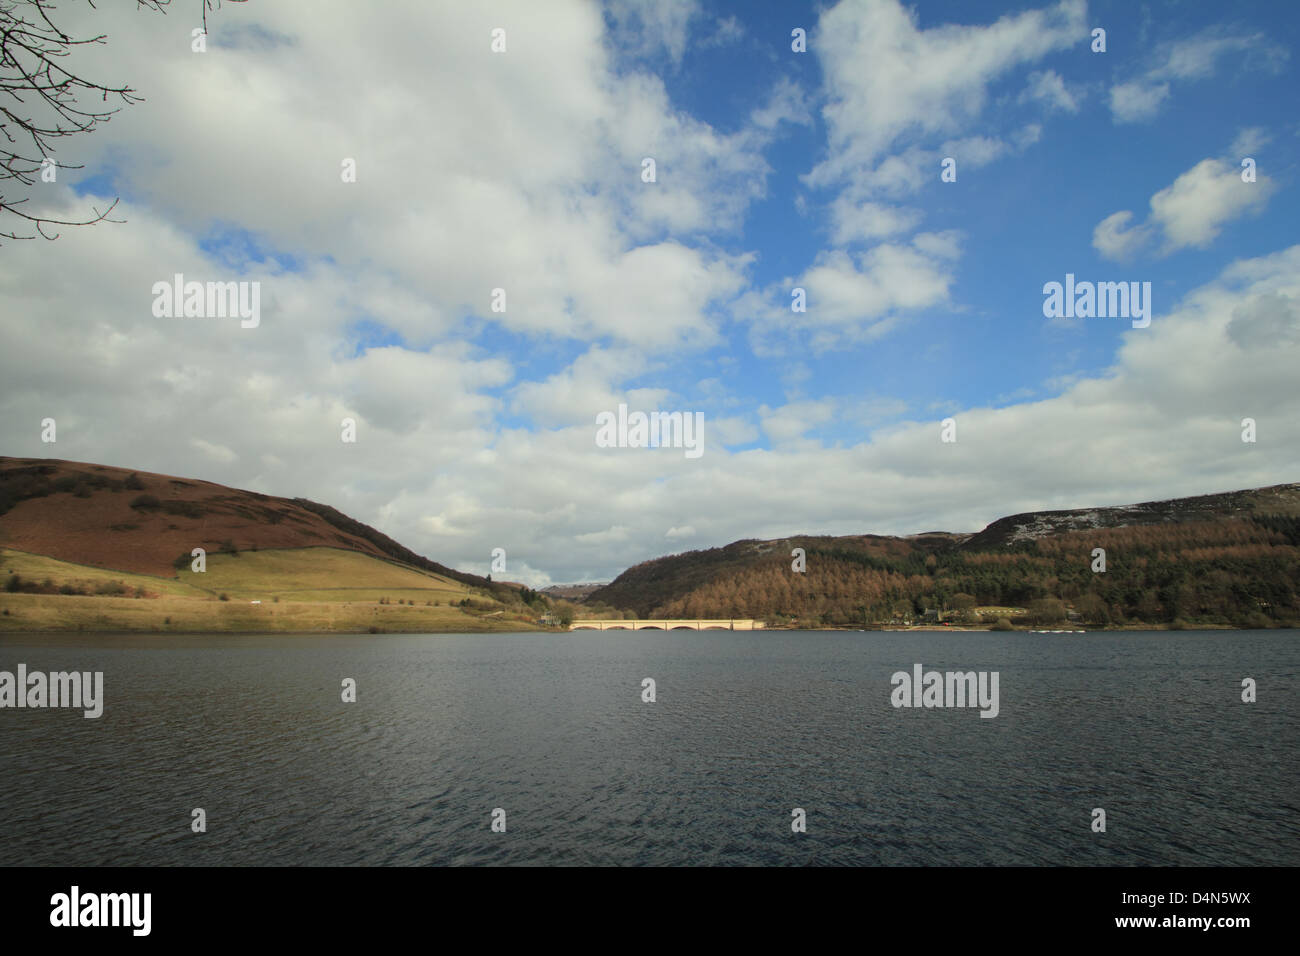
<point x="42" y="97"/>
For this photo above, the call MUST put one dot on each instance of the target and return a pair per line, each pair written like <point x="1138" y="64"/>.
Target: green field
<point x="38" y="567"/>
<point x="308" y="589"/>
<point x="318" y="574"/>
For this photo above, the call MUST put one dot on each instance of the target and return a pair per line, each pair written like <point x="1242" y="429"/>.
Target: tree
<point x="1046" y="610"/>
<point x="41" y="103"/>
<point x="565" y="613"/>
<point x="962" y="602"/>
<point x="1092" y="609"/>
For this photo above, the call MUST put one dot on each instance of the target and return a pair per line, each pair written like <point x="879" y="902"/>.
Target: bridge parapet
<point x="669" y="624"/>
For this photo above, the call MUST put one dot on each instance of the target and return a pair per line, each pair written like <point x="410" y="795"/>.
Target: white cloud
<point x="1191" y="58"/>
<point x="1266" y="321"/>
<point x="1189" y="213"/>
<point x="732" y="430"/>
<point x="1115" y="239"/>
<point x="899" y="101"/>
<point x="792" y="420"/>
<point x="1250" y="141"/>
<point x="726" y="31"/>
<point x="856" y="221"/>
<point x="885" y="76"/>
<point x="1137" y="101"/>
<point x="1193" y="210"/>
<point x="788" y="102"/>
<point x="588" y="386"/>
<point x="939" y="245"/>
<point x="1047" y="87"/>
<point x="645" y="27"/>
<point x="441" y="178"/>
<point x="218" y="453"/>
<point x="852" y="297"/>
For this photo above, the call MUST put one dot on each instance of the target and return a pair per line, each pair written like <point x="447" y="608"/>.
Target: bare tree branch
<point x="41" y="99"/>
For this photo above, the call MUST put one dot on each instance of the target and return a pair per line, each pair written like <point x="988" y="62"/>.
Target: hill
<point x="77" y="540"/>
<point x="572" y="592"/>
<point x="1226" y="559"/>
<point x="144" y="522"/>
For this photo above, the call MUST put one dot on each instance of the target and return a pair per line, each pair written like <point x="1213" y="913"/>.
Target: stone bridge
<point x="725" y="624"/>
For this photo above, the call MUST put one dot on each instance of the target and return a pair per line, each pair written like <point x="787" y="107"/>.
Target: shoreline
<point x="116" y="631"/>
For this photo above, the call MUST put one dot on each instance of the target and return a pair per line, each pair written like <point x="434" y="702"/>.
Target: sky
<point x="523" y="169"/>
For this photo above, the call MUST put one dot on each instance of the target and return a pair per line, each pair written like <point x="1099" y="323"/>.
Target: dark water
<point x="746" y="727"/>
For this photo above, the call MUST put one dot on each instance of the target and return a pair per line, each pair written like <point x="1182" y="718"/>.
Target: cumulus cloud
<point x="885" y="76"/>
<point x="856" y="221"/>
<point x="853" y="297"/>
<point x="1189" y="213"/>
<point x="899" y="100"/>
<point x="1137" y="100"/>
<point x="1116" y="239"/>
<point x="589" y="385"/>
<point x="441" y="178"/>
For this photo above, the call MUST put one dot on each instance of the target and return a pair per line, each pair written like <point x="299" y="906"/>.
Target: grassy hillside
<point x="35" y="612"/>
<point x="312" y="589"/>
<point x="50" y="575"/>
<point x="327" y="573"/>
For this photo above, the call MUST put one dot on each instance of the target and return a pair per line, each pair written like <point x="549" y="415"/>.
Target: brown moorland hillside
<point x="145" y="522"/>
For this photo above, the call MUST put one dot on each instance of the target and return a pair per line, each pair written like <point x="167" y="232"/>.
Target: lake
<point x="745" y="727"/>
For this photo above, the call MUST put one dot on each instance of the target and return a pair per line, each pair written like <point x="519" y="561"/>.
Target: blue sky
<point x="775" y="169"/>
<point x="1027" y="218"/>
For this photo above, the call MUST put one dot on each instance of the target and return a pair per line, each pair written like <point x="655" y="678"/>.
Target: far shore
<point x="478" y="627"/>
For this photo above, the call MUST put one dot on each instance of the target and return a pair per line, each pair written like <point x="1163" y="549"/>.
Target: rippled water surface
<point x="747" y="726"/>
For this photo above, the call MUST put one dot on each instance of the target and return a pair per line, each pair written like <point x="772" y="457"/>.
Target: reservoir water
<point x="745" y="727"/>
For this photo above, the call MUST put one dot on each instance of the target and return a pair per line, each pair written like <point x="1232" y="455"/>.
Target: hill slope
<point x="1228" y="559"/>
<point x="81" y="545"/>
<point x="144" y="522"/>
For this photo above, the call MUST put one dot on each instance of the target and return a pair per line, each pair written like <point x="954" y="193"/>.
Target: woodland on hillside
<point x="1234" y="571"/>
